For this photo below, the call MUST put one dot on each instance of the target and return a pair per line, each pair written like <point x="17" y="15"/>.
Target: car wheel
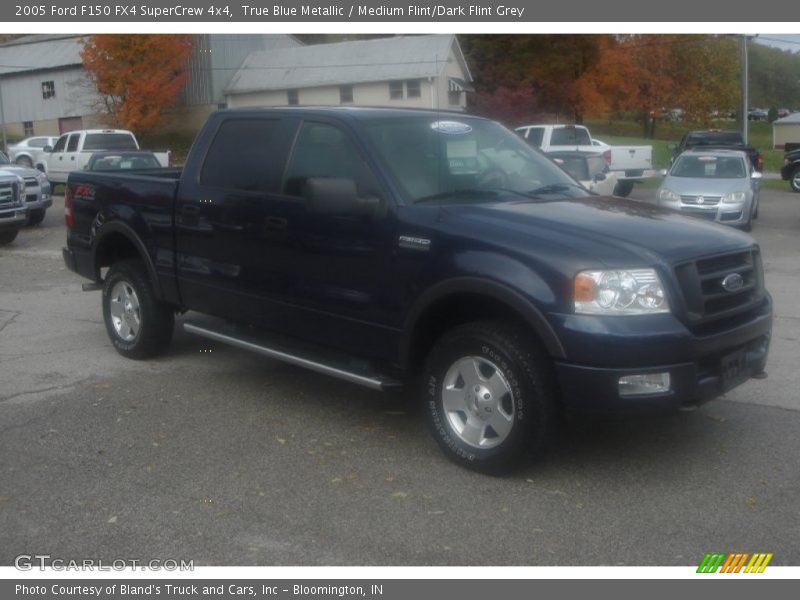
<point x="139" y="325"/>
<point x="794" y="181"/>
<point x="623" y="188"/>
<point x="24" y="161"/>
<point x="489" y="395"/>
<point x="35" y="217"/>
<point x="6" y="237"/>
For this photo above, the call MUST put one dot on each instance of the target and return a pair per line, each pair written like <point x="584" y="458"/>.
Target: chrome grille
<point x="701" y="282"/>
<point x="8" y="194"/>
<point x="707" y="200"/>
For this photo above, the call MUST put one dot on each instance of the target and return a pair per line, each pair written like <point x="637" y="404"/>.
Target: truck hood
<point x="611" y="231"/>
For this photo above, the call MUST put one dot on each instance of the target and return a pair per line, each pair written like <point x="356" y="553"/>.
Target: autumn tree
<point x="137" y="77"/>
<point x="509" y="106"/>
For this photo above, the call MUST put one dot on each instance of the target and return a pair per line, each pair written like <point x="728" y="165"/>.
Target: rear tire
<point x="139" y="325"/>
<point x="623" y="188"/>
<point x="6" y="237"/>
<point x="794" y="180"/>
<point x="489" y="395"/>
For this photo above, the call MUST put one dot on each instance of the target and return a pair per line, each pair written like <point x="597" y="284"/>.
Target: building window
<point x="293" y="97"/>
<point x="27" y="128"/>
<point x="222" y="105"/>
<point x="396" y="90"/>
<point x="454" y="97"/>
<point x="346" y="94"/>
<point x="48" y="90"/>
<point x="413" y="88"/>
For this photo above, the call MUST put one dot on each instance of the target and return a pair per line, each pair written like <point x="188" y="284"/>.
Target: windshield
<point x="709" y="138"/>
<point x="440" y="159"/>
<point x="712" y="167"/>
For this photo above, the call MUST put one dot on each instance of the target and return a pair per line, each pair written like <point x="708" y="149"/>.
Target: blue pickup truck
<point x="416" y="248"/>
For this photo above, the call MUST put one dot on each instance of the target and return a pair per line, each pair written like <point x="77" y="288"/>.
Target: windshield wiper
<point x="468" y="192"/>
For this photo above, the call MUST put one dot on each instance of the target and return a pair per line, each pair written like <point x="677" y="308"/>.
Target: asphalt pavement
<point x="226" y="458"/>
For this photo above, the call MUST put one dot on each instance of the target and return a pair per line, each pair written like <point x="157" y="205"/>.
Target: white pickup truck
<point x="73" y="150"/>
<point x="629" y="163"/>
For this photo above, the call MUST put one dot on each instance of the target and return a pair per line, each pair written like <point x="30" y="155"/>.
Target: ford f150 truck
<point x="397" y="247"/>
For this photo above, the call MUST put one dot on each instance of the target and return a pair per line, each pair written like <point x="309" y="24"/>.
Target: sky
<point x="784" y="42"/>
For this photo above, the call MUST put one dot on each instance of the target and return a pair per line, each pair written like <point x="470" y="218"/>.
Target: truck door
<point x="56" y="157"/>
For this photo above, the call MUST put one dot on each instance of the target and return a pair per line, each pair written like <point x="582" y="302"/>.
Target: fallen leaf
<point x="399" y="494"/>
<point x="112" y="519"/>
<point x="280" y="440"/>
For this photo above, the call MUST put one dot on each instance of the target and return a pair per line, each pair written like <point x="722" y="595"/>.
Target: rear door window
<point x="240" y="155"/>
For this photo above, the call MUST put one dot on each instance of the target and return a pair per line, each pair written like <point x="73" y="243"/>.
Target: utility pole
<point x="2" y="116"/>
<point x="745" y="88"/>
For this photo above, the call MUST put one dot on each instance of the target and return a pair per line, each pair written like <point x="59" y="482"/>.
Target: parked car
<point x="13" y="213"/>
<point x="36" y="193"/>
<point x="757" y="114"/>
<point x="28" y="152"/>
<point x="783" y="112"/>
<point x="790" y="171"/>
<point x="588" y="168"/>
<point x="709" y="139"/>
<point x="630" y="163"/>
<point x="393" y="247"/>
<point x="716" y="185"/>
<point x="123" y="161"/>
<point x="73" y="150"/>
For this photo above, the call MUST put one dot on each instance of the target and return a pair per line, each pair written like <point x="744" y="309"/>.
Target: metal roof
<point x="351" y="62"/>
<point x="37" y="52"/>
<point x="788" y="120"/>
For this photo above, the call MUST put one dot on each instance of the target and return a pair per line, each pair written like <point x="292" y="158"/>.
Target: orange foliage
<point x="138" y="77"/>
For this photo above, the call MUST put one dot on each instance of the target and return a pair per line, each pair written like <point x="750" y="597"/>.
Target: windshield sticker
<point x="451" y="127"/>
<point x="462" y="156"/>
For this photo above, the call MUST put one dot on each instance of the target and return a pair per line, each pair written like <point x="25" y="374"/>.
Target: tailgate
<point x="631" y="158"/>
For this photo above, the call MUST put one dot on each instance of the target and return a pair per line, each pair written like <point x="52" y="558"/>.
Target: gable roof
<point x="383" y="59"/>
<point x="39" y="52"/>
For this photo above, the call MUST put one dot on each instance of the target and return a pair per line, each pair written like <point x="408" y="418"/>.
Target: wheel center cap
<point x="480" y="399"/>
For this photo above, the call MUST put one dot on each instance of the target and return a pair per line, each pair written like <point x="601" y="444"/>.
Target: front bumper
<point x="700" y="367"/>
<point x="38" y="200"/>
<point x="723" y="213"/>
<point x="13" y="219"/>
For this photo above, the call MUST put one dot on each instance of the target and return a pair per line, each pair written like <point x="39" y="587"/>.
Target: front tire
<point x="6" y="237"/>
<point x="139" y="325"/>
<point x="35" y="217"/>
<point x="489" y="395"/>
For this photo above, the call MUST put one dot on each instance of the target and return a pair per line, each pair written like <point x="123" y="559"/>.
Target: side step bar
<point x="370" y="380"/>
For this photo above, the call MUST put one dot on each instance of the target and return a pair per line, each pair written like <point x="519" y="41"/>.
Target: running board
<point x="370" y="380"/>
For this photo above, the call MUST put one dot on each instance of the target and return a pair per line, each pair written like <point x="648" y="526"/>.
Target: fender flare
<point x="127" y="232"/>
<point x="496" y="291"/>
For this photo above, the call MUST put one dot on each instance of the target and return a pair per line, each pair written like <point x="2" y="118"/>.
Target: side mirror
<point x="600" y="177"/>
<point x="663" y="172"/>
<point x="756" y="175"/>
<point x="47" y="149"/>
<point x="337" y="196"/>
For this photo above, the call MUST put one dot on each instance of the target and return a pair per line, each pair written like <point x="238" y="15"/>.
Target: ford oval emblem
<point x="733" y="282"/>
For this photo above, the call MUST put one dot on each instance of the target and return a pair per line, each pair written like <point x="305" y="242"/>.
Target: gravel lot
<point x="230" y="459"/>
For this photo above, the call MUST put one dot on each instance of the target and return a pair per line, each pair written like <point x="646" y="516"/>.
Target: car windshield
<point x="711" y="167"/>
<point x="453" y="159"/>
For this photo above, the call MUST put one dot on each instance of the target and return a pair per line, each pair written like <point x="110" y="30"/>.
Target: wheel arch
<point x="465" y="299"/>
<point x="117" y="241"/>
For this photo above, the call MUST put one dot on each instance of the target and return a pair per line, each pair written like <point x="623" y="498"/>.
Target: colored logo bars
<point x="734" y="563"/>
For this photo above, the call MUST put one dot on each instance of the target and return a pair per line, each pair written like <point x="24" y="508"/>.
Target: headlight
<point x="42" y="179"/>
<point x="631" y="292"/>
<point x="733" y="198"/>
<point x="665" y="195"/>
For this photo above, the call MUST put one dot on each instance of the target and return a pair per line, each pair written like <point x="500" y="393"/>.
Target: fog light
<point x="650" y="383"/>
